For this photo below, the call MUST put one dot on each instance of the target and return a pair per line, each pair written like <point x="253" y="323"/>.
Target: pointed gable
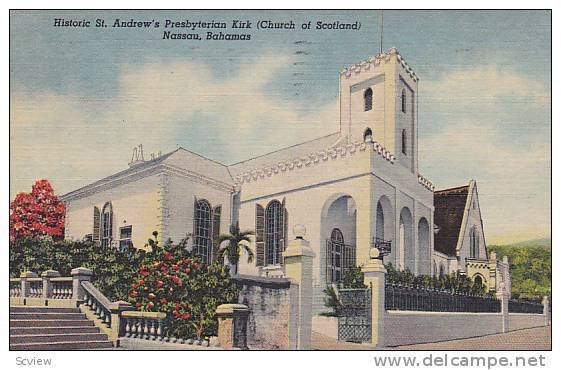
<point x="449" y="206"/>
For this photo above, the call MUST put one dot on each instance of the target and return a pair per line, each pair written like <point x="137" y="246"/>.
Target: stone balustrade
<point x="145" y="325"/>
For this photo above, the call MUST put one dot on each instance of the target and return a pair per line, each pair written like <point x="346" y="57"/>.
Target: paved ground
<point x="527" y="339"/>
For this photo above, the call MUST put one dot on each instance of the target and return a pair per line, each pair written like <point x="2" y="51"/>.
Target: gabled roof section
<point x="449" y="207"/>
<point x="180" y="158"/>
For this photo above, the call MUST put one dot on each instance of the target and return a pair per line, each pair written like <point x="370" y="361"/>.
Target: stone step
<point x="63" y="346"/>
<point x="42" y="309"/>
<point x="55" y="330"/>
<point x="32" y="323"/>
<point x="46" y="316"/>
<point x="58" y="338"/>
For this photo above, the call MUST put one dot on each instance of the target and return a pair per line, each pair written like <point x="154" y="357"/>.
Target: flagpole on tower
<point x="382" y="32"/>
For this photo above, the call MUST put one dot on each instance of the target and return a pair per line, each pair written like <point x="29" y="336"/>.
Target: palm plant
<point x="237" y="241"/>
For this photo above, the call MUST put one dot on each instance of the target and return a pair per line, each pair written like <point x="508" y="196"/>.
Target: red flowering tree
<point x="37" y="213"/>
<point x="174" y="281"/>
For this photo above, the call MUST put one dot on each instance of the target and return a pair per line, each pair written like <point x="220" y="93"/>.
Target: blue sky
<point x="81" y="99"/>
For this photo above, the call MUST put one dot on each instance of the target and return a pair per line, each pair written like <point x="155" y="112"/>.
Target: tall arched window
<point x="403" y="101"/>
<point x="202" y="235"/>
<point x="106" y="225"/>
<point x="337" y="249"/>
<point x="474" y="243"/>
<point x="368" y="99"/>
<point x="274" y="232"/>
<point x="404" y="141"/>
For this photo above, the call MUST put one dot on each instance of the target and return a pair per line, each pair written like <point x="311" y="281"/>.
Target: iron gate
<point x="354" y="322"/>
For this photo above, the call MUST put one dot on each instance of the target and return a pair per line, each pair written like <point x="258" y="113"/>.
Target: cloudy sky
<point x="81" y="99"/>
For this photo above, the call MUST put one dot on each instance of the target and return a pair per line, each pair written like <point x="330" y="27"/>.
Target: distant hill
<point x="537" y="243"/>
<point x="542" y="243"/>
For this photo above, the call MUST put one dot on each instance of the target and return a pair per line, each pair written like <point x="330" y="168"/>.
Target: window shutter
<point x="259" y="235"/>
<point x="282" y="236"/>
<point x="194" y="235"/>
<point x="215" y="230"/>
<point x="285" y="225"/>
<point x="96" y="225"/>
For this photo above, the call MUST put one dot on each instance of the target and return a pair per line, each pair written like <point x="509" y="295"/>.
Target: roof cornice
<point x="312" y="159"/>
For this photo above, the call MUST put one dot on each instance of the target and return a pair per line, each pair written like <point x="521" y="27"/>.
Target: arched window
<point x="202" y="235"/>
<point x="403" y="101"/>
<point x="106" y="225"/>
<point x="474" y="243"/>
<point x="404" y="141"/>
<point x="434" y="269"/>
<point x="274" y="232"/>
<point x="368" y="99"/>
<point x="367" y="135"/>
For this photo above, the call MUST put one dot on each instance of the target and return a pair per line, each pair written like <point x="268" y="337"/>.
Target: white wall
<point x="135" y="203"/>
<point x="409" y="327"/>
<point x="517" y="321"/>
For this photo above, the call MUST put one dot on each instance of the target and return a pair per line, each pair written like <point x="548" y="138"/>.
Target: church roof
<point x="294" y="151"/>
<point x="449" y="205"/>
<point x="179" y="158"/>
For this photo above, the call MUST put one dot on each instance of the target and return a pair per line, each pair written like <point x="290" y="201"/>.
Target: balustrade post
<point x="503" y="296"/>
<point x="375" y="277"/>
<point x="47" y="286"/>
<point x="232" y="325"/>
<point x="25" y="284"/>
<point x="545" y="303"/>
<point x="79" y="274"/>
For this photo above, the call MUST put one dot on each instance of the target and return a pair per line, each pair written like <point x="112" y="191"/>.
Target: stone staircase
<point x="49" y="328"/>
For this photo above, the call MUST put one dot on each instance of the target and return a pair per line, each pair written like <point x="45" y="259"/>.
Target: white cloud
<point x="513" y="176"/>
<point x="73" y="140"/>
<point x="485" y="85"/>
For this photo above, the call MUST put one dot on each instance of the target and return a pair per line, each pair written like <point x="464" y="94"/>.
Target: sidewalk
<point x="527" y="339"/>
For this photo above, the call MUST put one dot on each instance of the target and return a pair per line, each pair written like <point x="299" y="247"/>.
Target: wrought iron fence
<point x="354" y="321"/>
<point x="524" y="307"/>
<point x="407" y="298"/>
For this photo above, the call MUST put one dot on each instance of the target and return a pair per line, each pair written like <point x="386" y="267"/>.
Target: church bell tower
<point x="378" y="99"/>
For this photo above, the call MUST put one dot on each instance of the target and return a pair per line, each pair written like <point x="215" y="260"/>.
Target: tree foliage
<point x="172" y="280"/>
<point x="232" y="244"/>
<point x="530" y="269"/>
<point x="39" y="213"/>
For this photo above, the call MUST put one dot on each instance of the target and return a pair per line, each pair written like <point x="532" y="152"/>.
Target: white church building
<point x="353" y="189"/>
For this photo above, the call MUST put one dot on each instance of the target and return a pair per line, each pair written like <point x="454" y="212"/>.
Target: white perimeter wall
<point x="410" y="327"/>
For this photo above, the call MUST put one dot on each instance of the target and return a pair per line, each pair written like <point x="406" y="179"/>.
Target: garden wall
<point x="517" y="321"/>
<point x="273" y="309"/>
<point x="409" y="327"/>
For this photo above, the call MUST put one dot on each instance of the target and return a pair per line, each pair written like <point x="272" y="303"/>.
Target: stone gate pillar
<point x="375" y="278"/>
<point x="502" y="294"/>
<point x="298" y="259"/>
